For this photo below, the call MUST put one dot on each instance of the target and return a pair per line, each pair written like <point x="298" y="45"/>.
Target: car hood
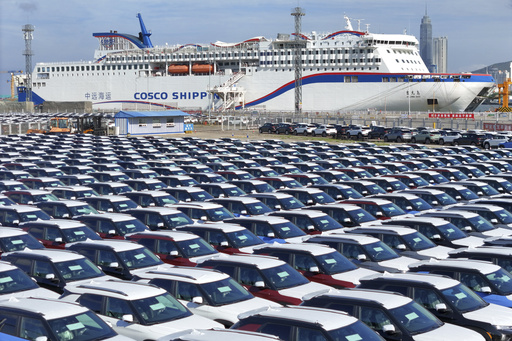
<point x="439" y="252"/>
<point x="493" y="314"/>
<point x="448" y="332"/>
<point x="301" y="290"/>
<point x="469" y="241"/>
<point x="353" y="276"/>
<point x="401" y="263"/>
<point x="498" y="232"/>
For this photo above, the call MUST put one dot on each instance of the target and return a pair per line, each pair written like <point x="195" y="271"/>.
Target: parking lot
<point x="165" y="237"/>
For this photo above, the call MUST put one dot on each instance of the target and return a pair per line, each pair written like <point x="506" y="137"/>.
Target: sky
<point x="478" y="32"/>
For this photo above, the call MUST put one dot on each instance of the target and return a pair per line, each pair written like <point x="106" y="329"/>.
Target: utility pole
<point x="297" y="59"/>
<point x="27" y="35"/>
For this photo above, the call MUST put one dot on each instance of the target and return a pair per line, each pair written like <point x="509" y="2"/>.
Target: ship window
<point x="385" y="79"/>
<point x="72" y="68"/>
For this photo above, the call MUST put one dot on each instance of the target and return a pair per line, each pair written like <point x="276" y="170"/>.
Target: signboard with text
<point x="451" y="115"/>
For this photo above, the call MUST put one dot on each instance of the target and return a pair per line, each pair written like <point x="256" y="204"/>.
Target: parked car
<point x="398" y="135"/>
<point x="267" y="128"/>
<point x="325" y="130"/>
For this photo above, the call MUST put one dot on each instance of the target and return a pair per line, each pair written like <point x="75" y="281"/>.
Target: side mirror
<point x="16" y="222"/>
<point x="435" y="202"/>
<point x="347" y="220"/>
<point x="379" y="214"/>
<point x="50" y="276"/>
<point x="361" y="257"/>
<point x="110" y="210"/>
<point x="114" y="265"/>
<point x="197" y="299"/>
<point x="65" y="216"/>
<point x="259" y="284"/>
<point x="174" y="253"/>
<point x="151" y="204"/>
<point x="339" y="196"/>
<point x="389" y="329"/>
<point x="436" y="237"/>
<point x="310" y="228"/>
<point x="112" y="232"/>
<point x="204" y="218"/>
<point x="494" y="221"/>
<point x="408" y="208"/>
<point x="58" y="240"/>
<point x="401" y="247"/>
<point x="243" y="212"/>
<point x="314" y="269"/>
<point x="224" y="244"/>
<point x="486" y="290"/>
<point x="458" y="197"/>
<point x="364" y="192"/>
<point x="479" y="193"/>
<point x="41" y="338"/>
<point x="160" y="225"/>
<point x="271" y="235"/>
<point x="467" y="229"/>
<point x="442" y="308"/>
<point x="309" y="202"/>
<point x="127" y="318"/>
<point x="277" y="207"/>
<point x="188" y="200"/>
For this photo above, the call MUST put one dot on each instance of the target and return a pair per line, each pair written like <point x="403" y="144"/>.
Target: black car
<point x="268" y="128"/>
<point x="378" y="132"/>
<point x="284" y="128"/>
<point x="470" y="138"/>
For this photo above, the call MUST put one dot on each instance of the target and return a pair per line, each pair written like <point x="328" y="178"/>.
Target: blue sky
<point x="479" y="33"/>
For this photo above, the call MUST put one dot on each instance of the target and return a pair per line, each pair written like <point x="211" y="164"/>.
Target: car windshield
<point x="287" y="230"/>
<point x="195" y="248"/>
<point x="85" y="193"/>
<point x="243" y="238"/>
<point x="415" y="319"/>
<point x="463" y="299"/>
<point x="218" y="214"/>
<point x="78" y="269"/>
<point x="124" y="205"/>
<point x="15" y="280"/>
<point x="417" y="241"/>
<point x="335" y="263"/>
<point x="379" y="251"/>
<point x="442" y="199"/>
<point x="34" y="215"/>
<point x="177" y="219"/>
<point x="159" y="309"/>
<point x="225" y="291"/>
<point x="450" y="231"/>
<point x="290" y="203"/>
<point x="79" y="234"/>
<point x="121" y="189"/>
<point x="165" y="200"/>
<point x="322" y="198"/>
<point x="156" y="186"/>
<point x="349" y="193"/>
<point x="438" y="178"/>
<point x="290" y="183"/>
<point x="419" y="181"/>
<point x="326" y="223"/>
<point x="234" y="192"/>
<point x="200" y="196"/>
<point x="139" y="258"/>
<point x="20" y="242"/>
<point x="354" y="332"/>
<point x="503" y="216"/>
<point x="419" y="204"/>
<point x="130" y="226"/>
<point x="480" y="224"/>
<point x="82" y="210"/>
<point x="501" y="280"/>
<point x="257" y="208"/>
<point x="360" y="216"/>
<point x="45" y="197"/>
<point x="391" y="210"/>
<point x="283" y="276"/>
<point x="81" y="327"/>
<point x="264" y="188"/>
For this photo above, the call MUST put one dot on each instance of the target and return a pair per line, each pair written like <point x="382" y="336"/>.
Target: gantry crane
<point x="13" y="83"/>
<point x="503" y="93"/>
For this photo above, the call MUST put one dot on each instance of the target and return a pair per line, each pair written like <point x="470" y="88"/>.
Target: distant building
<point x="440" y="54"/>
<point x="426" y="41"/>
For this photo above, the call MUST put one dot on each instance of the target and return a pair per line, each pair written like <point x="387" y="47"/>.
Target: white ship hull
<point x="343" y="71"/>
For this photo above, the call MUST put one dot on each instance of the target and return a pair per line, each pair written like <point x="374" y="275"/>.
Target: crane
<point x="13" y="73"/>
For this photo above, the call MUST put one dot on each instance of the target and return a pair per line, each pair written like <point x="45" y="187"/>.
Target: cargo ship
<point x="341" y="71"/>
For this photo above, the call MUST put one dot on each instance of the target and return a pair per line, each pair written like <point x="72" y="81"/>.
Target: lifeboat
<point x="202" y="68"/>
<point x="176" y="69"/>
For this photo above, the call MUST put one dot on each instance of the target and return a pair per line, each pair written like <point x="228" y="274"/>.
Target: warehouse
<point x="151" y="122"/>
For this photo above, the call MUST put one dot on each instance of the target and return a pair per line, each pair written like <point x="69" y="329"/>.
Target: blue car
<point x="489" y="281"/>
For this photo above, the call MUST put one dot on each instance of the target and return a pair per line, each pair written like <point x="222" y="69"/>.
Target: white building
<point x="440" y="54"/>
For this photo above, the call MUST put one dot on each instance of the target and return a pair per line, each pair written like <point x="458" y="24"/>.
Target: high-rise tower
<point x="426" y="40"/>
<point x="440" y="58"/>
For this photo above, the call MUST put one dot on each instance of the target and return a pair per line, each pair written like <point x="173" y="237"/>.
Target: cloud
<point x="28" y="6"/>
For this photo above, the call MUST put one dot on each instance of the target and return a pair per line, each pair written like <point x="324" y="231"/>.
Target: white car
<point x="449" y="137"/>
<point x="15" y="282"/>
<point x="495" y="141"/>
<point x="325" y="130"/>
<point x="358" y="132"/>
<point x="304" y="129"/>
<point x="42" y="319"/>
<point x="209" y="293"/>
<point x="137" y="310"/>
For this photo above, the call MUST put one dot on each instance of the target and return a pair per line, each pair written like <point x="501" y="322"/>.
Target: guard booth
<point x="150" y="122"/>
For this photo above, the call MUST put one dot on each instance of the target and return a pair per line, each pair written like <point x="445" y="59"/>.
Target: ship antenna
<point x="145" y="34"/>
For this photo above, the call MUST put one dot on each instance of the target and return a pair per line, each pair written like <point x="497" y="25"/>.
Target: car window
<point x="42" y="268"/>
<point x="375" y="318"/>
<point x="428" y="298"/>
<point x="249" y="276"/>
<point x="9" y="323"/>
<point x="32" y="328"/>
<point x="279" y="330"/>
<point x="308" y="334"/>
<point x="187" y="291"/>
<point x="116" y="308"/>
<point x="93" y="302"/>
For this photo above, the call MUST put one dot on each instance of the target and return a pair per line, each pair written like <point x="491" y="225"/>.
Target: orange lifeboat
<point x="202" y="68"/>
<point x="176" y="69"/>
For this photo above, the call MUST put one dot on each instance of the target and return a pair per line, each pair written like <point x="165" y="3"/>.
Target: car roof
<point x="309" y="213"/>
<point x="496" y="250"/>
<point x="124" y="290"/>
<point x="438" y="281"/>
<point x="313" y="249"/>
<point x="226" y="227"/>
<point x="328" y="319"/>
<point x="60" y="223"/>
<point x="49" y="308"/>
<point x="117" y="245"/>
<point x="53" y="255"/>
<point x="219" y="334"/>
<point x="262" y="262"/>
<point x="175" y="235"/>
<point x="390" y="229"/>
<point x="358" y="238"/>
<point x="198" y="204"/>
<point x="11" y="232"/>
<point x="459" y="264"/>
<point x="185" y="274"/>
<point x="387" y="299"/>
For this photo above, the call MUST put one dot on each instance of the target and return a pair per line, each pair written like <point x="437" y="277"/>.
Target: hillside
<point x="503" y="66"/>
